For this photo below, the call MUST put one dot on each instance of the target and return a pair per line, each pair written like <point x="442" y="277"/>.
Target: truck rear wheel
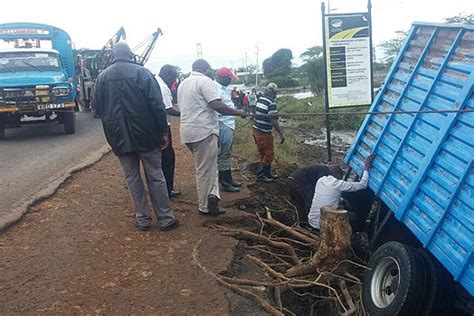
<point x="69" y="121"/>
<point x="395" y="283"/>
<point x="439" y="288"/>
<point x="2" y="129"/>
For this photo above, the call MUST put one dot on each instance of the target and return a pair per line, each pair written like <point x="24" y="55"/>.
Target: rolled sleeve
<point x="349" y="186"/>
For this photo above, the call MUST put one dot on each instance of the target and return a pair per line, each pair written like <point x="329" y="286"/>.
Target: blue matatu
<point x="60" y="41"/>
<point x="424" y="166"/>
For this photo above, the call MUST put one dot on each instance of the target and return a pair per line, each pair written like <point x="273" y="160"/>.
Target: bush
<point x="283" y="82"/>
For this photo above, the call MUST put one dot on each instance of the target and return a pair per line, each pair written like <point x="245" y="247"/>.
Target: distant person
<point x="166" y="78"/>
<point x="246" y="102"/>
<point x="240" y="104"/>
<point x="253" y="100"/>
<point x="265" y="121"/>
<point x="301" y="184"/>
<point x="226" y="132"/>
<point x="235" y="96"/>
<point x="199" y="103"/>
<point x="329" y="190"/>
<point x="128" y="99"/>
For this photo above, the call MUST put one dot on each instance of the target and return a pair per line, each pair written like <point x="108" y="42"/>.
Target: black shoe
<point x="264" y="178"/>
<point x="213" y="205"/>
<point x="230" y="188"/>
<point x="142" y="228"/>
<point x="211" y="214"/>
<point x="270" y="174"/>
<point x="171" y="226"/>
<point x="230" y="180"/>
<point x="175" y="193"/>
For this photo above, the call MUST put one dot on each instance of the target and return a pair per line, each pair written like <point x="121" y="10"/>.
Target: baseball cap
<point x="226" y="72"/>
<point x="272" y="86"/>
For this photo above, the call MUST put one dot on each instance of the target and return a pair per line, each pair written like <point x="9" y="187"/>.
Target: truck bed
<point x="424" y="166"/>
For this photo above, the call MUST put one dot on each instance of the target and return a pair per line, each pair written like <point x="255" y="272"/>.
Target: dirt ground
<point x="78" y="252"/>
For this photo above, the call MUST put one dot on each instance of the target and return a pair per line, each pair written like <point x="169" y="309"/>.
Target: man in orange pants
<point x="265" y="121"/>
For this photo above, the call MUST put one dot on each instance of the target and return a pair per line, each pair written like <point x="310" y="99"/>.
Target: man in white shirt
<point x="167" y="76"/>
<point x="199" y="104"/>
<point x="226" y="132"/>
<point x="329" y="189"/>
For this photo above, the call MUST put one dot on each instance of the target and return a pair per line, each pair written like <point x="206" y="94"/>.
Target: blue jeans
<point x="226" y="135"/>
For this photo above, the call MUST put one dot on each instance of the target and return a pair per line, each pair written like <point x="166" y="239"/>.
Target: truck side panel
<point x="424" y="167"/>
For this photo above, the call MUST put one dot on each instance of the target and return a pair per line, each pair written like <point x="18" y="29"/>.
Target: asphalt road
<point x="34" y="155"/>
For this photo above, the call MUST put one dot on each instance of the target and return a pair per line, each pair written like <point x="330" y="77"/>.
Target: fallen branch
<point x="292" y="232"/>
<point x="348" y="297"/>
<point x="246" y="235"/>
<point x="265" y="305"/>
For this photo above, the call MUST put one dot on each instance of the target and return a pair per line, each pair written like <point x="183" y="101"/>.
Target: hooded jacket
<point x="128" y="99"/>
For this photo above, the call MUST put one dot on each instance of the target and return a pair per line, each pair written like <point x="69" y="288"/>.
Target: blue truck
<point x="36" y="76"/>
<point x="423" y="176"/>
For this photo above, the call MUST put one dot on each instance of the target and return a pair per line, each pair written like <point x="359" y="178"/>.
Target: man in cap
<point x="199" y="103"/>
<point x="167" y="76"/>
<point x="226" y="132"/>
<point x="128" y="99"/>
<point x="265" y="121"/>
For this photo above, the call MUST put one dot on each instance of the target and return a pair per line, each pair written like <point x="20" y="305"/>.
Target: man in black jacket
<point x="128" y="99"/>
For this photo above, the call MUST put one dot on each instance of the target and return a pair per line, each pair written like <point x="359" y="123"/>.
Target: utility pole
<point x="256" y="70"/>
<point x="245" y="67"/>
<point x="199" y="50"/>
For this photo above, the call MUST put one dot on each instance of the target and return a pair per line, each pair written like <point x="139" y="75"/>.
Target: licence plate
<point x="49" y="106"/>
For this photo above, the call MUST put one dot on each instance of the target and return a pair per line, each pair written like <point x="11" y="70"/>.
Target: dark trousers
<point x="302" y="197"/>
<point x="168" y="163"/>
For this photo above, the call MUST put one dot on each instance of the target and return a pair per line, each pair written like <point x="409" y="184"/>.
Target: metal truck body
<point x="424" y="170"/>
<point x="36" y="80"/>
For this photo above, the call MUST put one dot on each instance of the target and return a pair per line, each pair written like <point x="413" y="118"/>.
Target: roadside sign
<point x="348" y="59"/>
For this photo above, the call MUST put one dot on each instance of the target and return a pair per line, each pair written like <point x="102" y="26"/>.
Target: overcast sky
<point x="227" y="30"/>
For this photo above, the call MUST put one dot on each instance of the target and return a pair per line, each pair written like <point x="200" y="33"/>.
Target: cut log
<point x="334" y="246"/>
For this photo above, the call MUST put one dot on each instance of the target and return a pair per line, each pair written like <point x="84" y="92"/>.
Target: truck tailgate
<point x="424" y="166"/>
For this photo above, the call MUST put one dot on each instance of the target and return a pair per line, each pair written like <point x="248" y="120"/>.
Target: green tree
<point x="312" y="53"/>
<point x="393" y="46"/>
<point x="463" y="18"/>
<point x="313" y="68"/>
<point x="279" y="64"/>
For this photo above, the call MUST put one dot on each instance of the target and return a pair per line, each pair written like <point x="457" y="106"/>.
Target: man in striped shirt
<point x="265" y="120"/>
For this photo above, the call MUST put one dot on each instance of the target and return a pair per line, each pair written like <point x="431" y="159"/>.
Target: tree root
<point x="265" y="305"/>
<point x="246" y="235"/>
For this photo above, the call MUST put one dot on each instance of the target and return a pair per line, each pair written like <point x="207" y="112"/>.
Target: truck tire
<point x="439" y="288"/>
<point x="395" y="282"/>
<point x="69" y="121"/>
<point x="2" y="129"/>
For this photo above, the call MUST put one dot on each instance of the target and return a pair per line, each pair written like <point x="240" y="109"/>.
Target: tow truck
<point x="91" y="62"/>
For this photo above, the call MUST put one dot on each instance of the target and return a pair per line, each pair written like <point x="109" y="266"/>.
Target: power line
<point x="363" y="113"/>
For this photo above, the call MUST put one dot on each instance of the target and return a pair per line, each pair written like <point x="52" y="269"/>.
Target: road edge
<point x="13" y="216"/>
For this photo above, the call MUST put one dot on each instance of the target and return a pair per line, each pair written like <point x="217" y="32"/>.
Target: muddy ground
<point x="78" y="252"/>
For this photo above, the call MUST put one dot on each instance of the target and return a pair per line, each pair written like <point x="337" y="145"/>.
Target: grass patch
<point x="293" y="152"/>
<point x="289" y="104"/>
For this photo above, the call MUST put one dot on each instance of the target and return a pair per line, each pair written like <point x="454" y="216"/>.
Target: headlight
<point x="60" y="91"/>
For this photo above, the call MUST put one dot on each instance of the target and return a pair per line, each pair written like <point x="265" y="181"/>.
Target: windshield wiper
<point x="8" y="67"/>
<point x="31" y="65"/>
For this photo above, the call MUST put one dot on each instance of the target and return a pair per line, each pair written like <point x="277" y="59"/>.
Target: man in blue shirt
<point x="226" y="132"/>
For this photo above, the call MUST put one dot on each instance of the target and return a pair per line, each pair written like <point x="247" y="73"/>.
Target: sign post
<point x="326" y="88"/>
<point x="347" y="49"/>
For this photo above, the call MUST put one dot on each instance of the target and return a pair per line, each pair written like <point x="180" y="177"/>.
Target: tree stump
<point x="334" y="246"/>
